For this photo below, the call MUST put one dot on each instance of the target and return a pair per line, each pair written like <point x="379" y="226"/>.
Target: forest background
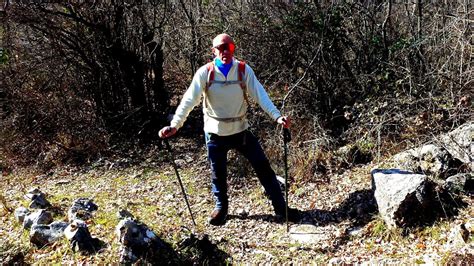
<point x="82" y="81"/>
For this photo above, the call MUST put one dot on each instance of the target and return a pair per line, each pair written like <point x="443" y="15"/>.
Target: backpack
<point x="210" y="80"/>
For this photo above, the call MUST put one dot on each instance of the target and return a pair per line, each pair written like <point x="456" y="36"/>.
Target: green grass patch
<point x="380" y="230"/>
<point x="106" y="219"/>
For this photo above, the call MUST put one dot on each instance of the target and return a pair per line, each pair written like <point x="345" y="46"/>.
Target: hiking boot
<point x="218" y="217"/>
<point x="294" y="215"/>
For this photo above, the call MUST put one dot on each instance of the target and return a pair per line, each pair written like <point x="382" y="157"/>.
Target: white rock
<point x="357" y="231"/>
<point x="73" y="227"/>
<point x="308" y="233"/>
<point x="393" y="188"/>
<point x="241" y="212"/>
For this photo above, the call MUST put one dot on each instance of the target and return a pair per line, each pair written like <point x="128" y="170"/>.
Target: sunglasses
<point x="226" y="46"/>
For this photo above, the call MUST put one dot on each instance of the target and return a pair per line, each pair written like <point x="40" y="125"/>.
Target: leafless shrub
<point x="379" y="76"/>
<point x="79" y="74"/>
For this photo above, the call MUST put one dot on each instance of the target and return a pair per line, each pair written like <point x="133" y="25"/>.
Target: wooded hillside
<point x="80" y="80"/>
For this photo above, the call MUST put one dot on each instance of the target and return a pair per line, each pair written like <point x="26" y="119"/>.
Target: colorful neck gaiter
<point x="224" y="68"/>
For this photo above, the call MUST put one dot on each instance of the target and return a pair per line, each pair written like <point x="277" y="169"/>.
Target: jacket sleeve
<point x="191" y="98"/>
<point x="258" y="93"/>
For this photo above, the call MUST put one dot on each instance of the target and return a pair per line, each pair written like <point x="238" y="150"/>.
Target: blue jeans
<point x="247" y="144"/>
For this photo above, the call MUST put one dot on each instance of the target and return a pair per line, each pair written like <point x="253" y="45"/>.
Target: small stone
<point x="71" y="229"/>
<point x="80" y="238"/>
<point x="400" y="194"/>
<point x="357" y="231"/>
<point x="136" y="240"/>
<point x="37" y="217"/>
<point x="180" y="162"/>
<point x="63" y="182"/>
<point x="42" y="234"/>
<point x="242" y="212"/>
<point x="458" y="237"/>
<point x="189" y="159"/>
<point x="21" y="213"/>
<point x="308" y="233"/>
<point x="38" y="199"/>
<point x="335" y="261"/>
<point x="81" y="209"/>
<point x="122" y="214"/>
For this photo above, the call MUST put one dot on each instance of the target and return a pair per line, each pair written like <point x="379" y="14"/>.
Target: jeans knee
<point x="263" y="169"/>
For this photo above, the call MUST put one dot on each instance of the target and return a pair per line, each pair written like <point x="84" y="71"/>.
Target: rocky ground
<point x="348" y="229"/>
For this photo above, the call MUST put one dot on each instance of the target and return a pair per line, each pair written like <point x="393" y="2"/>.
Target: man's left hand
<point x="284" y="121"/>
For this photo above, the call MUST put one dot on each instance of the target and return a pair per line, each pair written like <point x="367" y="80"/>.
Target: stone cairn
<point x="137" y="241"/>
<point x="45" y="231"/>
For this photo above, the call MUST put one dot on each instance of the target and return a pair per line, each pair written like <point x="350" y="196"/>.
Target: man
<point x="224" y="84"/>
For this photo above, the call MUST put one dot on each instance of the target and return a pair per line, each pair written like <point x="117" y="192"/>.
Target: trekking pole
<point x="286" y="139"/>
<point x="179" y="179"/>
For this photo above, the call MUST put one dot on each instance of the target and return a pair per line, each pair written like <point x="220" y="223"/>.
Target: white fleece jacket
<point x="224" y="101"/>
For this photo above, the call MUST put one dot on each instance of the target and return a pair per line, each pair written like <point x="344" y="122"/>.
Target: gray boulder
<point x="408" y="160"/>
<point x="403" y="198"/>
<point x="435" y="160"/>
<point x="37" y="217"/>
<point x="21" y="213"/>
<point x="460" y="183"/>
<point x="37" y="198"/>
<point x="42" y="234"/>
<point x="442" y="158"/>
<point x="460" y="144"/>
<point x="428" y="159"/>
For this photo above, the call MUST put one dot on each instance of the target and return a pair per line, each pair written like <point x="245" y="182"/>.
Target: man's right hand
<point x="167" y="132"/>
